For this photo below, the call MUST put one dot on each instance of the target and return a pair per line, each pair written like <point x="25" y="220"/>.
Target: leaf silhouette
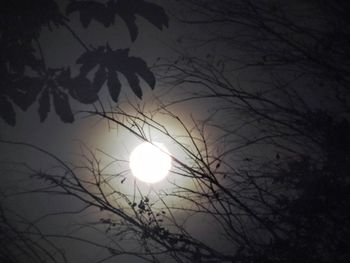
<point x="91" y="10"/>
<point x="126" y="9"/>
<point x="113" y="85"/>
<point x="25" y="77"/>
<point x="62" y="106"/>
<point x="18" y="56"/>
<point x="129" y="19"/>
<point x="80" y="88"/>
<point x="140" y="67"/>
<point x="134" y="84"/>
<point x="6" y="111"/>
<point x="116" y="61"/>
<point x="85" y="18"/>
<point x="151" y="12"/>
<point x="44" y="104"/>
<point x="90" y="59"/>
<point x="25" y="91"/>
<point x="99" y="78"/>
<point x="64" y="77"/>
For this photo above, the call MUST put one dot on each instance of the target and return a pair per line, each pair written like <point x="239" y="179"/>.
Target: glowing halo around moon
<point x="150" y="163"/>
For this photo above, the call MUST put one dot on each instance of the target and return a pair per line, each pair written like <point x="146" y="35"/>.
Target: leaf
<point x="80" y="88"/>
<point x="87" y="67"/>
<point x="127" y="9"/>
<point x="141" y="68"/>
<point x="92" y="10"/>
<point x="25" y="91"/>
<point x="76" y="6"/>
<point x="129" y="20"/>
<point x="17" y="65"/>
<point x="90" y="59"/>
<point x="134" y="84"/>
<point x="85" y="17"/>
<point x="113" y="85"/>
<point x="153" y="13"/>
<point x="106" y="16"/>
<point x="7" y="112"/>
<point x="115" y="61"/>
<point x="44" y="104"/>
<point x="62" y="107"/>
<point x="99" y="78"/>
<point x="64" y="77"/>
<point x="119" y="60"/>
<point x="87" y="10"/>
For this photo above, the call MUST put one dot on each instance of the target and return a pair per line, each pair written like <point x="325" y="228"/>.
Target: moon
<point x="150" y="162"/>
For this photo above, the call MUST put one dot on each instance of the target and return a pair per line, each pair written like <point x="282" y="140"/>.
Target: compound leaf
<point x="44" y="104"/>
<point x="7" y="112"/>
<point x="62" y="106"/>
<point x="114" y="85"/>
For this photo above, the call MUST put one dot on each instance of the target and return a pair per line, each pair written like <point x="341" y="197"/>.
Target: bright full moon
<point x="150" y="163"/>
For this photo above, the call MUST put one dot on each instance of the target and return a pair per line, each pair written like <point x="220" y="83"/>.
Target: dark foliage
<point x="315" y="218"/>
<point x="111" y="61"/>
<point x="126" y="9"/>
<point x="25" y="75"/>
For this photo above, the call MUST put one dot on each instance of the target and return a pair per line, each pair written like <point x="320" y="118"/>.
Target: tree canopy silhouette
<point x="25" y="75"/>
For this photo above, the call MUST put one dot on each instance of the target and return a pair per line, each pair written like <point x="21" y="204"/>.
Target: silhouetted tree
<point x="26" y="76"/>
<point x="281" y="71"/>
<point x="22" y="241"/>
<point x="273" y="180"/>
